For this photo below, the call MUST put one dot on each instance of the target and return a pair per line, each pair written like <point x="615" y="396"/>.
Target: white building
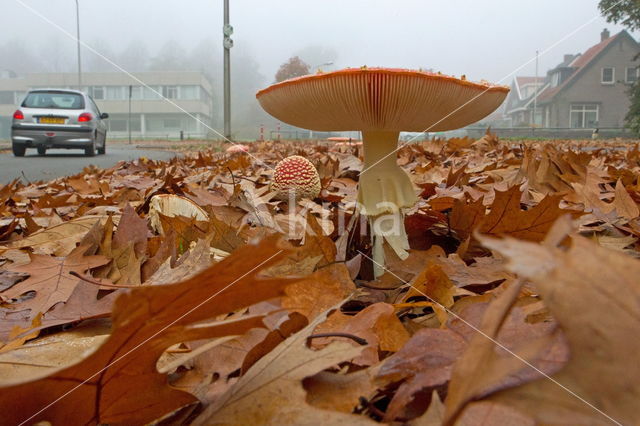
<point x="188" y="106"/>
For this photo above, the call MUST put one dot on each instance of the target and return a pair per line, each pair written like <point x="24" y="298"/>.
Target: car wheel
<point x="18" y="150"/>
<point x="42" y="150"/>
<point x="103" y="149"/>
<point x="90" y="151"/>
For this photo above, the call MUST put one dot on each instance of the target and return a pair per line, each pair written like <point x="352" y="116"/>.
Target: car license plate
<point x="51" y="120"/>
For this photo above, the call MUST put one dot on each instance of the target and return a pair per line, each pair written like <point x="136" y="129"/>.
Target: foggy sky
<point x="484" y="39"/>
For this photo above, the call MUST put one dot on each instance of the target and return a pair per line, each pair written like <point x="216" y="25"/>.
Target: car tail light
<point x="85" y="117"/>
<point x="18" y="115"/>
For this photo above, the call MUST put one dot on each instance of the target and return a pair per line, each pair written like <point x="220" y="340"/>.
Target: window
<point x="170" y="92"/>
<point x="584" y="116"/>
<point x="608" y="75"/>
<point x="136" y="123"/>
<point x="115" y="93"/>
<point x="97" y="92"/>
<point x="136" y="92"/>
<point x="538" y="118"/>
<point x="189" y="92"/>
<point x="171" y="123"/>
<point x="54" y="100"/>
<point x="152" y="93"/>
<point x="632" y="75"/>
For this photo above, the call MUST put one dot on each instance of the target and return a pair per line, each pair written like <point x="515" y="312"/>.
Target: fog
<point x="488" y="39"/>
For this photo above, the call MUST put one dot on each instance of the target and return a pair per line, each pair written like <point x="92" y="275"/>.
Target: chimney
<point x="604" y="35"/>
<point x="568" y="58"/>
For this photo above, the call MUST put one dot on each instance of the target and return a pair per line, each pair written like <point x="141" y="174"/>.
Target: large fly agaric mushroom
<point x="382" y="102"/>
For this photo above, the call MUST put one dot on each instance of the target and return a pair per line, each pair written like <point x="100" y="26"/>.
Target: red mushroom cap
<point x="298" y="176"/>
<point x="380" y="99"/>
<point x="238" y="148"/>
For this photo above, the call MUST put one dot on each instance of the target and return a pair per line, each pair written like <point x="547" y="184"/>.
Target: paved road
<point x="62" y="162"/>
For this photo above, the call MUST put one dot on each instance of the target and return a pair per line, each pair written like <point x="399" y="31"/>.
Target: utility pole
<point x="130" y="93"/>
<point x="227" y="30"/>
<point x="535" y="96"/>
<point x="78" y="43"/>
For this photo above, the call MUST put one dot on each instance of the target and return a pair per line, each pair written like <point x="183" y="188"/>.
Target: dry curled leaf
<point x="603" y="370"/>
<point x="271" y="392"/>
<point x="119" y="383"/>
<point x="50" y="279"/>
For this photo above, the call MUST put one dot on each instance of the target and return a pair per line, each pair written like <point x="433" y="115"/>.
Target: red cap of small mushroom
<point x="238" y="148"/>
<point x="296" y="175"/>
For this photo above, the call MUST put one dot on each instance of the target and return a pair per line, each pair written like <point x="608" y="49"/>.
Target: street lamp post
<point x="227" y="30"/>
<point x="78" y="43"/>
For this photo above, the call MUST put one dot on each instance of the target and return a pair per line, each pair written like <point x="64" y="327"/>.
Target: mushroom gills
<point x="384" y="190"/>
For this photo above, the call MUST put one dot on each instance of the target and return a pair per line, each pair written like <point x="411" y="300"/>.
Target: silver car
<point x="52" y="118"/>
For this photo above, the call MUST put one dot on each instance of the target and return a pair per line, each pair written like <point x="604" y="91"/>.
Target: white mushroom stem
<point x="384" y="190"/>
<point x="388" y="227"/>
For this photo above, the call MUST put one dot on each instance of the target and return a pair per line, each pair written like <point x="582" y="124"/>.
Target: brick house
<point x="585" y="91"/>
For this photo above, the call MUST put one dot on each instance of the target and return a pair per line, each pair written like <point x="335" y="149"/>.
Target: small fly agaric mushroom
<point x="237" y="148"/>
<point x="343" y="141"/>
<point x="381" y="102"/>
<point x="295" y="176"/>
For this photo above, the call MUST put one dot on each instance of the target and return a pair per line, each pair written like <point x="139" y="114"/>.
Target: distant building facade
<point x="190" y="109"/>
<point x="585" y="91"/>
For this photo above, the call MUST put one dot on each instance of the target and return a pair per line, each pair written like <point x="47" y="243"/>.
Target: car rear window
<point x="54" y="100"/>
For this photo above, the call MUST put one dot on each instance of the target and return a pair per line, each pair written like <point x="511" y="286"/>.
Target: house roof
<point x="521" y="81"/>
<point x="516" y="101"/>
<point x="580" y="64"/>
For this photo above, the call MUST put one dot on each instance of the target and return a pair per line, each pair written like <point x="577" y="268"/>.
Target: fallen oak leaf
<point x="624" y="204"/>
<point x="467" y="378"/>
<point x="603" y="374"/>
<point x="125" y="267"/>
<point x="434" y="414"/>
<point x="426" y="360"/>
<point x="271" y="392"/>
<point x="83" y="304"/>
<point x="434" y="284"/>
<point x="493" y="414"/>
<point x="132" y="229"/>
<point x="319" y="291"/>
<point x="189" y="264"/>
<point x="8" y="279"/>
<point x="506" y="217"/>
<point x="19" y="336"/>
<point x="212" y="372"/>
<point x="340" y="392"/>
<point x="50" y="353"/>
<point x="484" y="270"/>
<point x="50" y="278"/>
<point x="293" y="323"/>
<point x="58" y="240"/>
<point x="377" y="325"/>
<point x="119" y="383"/>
